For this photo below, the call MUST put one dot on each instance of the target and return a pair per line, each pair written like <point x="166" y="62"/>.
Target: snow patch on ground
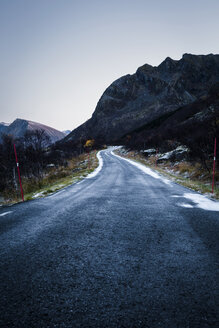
<point x="39" y="194"/>
<point x="98" y="169"/>
<point x="5" y="213"/>
<point x="202" y="202"/>
<point x="145" y="169"/>
<point x="186" y="205"/>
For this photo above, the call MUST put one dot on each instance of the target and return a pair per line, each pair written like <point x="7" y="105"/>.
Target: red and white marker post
<point x="214" y="166"/>
<point x="18" y="170"/>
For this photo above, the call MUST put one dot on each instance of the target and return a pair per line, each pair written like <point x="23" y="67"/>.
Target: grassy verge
<point x="54" y="179"/>
<point x="190" y="175"/>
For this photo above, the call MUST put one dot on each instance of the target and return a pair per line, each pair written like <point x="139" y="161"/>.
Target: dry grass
<point x="54" y="179"/>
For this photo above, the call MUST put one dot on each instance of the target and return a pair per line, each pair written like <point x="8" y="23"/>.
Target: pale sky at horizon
<point x="58" y="56"/>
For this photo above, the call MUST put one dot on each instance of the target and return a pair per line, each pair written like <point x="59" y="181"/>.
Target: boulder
<point x="177" y="154"/>
<point x="149" y="152"/>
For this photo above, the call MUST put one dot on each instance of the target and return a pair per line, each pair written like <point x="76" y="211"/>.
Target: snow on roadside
<point x="98" y="169"/>
<point x="145" y="169"/>
<point x="186" y="205"/>
<point x="57" y="192"/>
<point x="5" y="213"/>
<point x="39" y="194"/>
<point x="202" y="202"/>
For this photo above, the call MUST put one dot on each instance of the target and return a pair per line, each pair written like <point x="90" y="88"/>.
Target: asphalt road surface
<point x="116" y="250"/>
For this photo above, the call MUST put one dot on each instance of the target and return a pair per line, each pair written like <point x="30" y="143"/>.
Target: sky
<point x="58" y="56"/>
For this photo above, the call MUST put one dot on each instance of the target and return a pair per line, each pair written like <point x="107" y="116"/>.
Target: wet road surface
<point x="116" y="250"/>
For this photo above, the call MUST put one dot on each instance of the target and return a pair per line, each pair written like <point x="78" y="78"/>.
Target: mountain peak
<point x="133" y="101"/>
<point x="168" y="64"/>
<point x="20" y="126"/>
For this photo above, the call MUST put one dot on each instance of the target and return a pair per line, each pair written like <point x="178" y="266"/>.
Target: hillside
<point x="3" y="127"/>
<point x="186" y="124"/>
<point x="19" y="127"/>
<point x="134" y="101"/>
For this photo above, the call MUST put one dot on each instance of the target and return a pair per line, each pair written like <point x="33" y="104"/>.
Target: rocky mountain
<point x="3" y="127"/>
<point x="133" y="101"/>
<point x="18" y="128"/>
<point x="195" y="124"/>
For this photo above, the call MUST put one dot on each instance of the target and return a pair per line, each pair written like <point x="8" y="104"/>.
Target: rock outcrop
<point x="177" y="154"/>
<point x="135" y="100"/>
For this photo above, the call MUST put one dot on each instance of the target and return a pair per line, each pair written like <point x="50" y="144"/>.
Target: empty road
<point x="121" y="249"/>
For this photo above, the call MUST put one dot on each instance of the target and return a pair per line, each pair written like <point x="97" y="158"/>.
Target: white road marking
<point x="5" y="213"/>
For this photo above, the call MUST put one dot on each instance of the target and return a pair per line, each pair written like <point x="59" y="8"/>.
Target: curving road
<point x="121" y="249"/>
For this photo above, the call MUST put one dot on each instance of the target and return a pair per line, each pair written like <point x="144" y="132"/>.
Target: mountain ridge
<point x="153" y="91"/>
<point x="20" y="126"/>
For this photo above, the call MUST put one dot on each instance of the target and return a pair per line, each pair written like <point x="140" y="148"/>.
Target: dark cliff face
<point x="135" y="100"/>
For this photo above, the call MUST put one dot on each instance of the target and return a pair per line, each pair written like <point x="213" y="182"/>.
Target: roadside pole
<point x="214" y="165"/>
<point x="18" y="170"/>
